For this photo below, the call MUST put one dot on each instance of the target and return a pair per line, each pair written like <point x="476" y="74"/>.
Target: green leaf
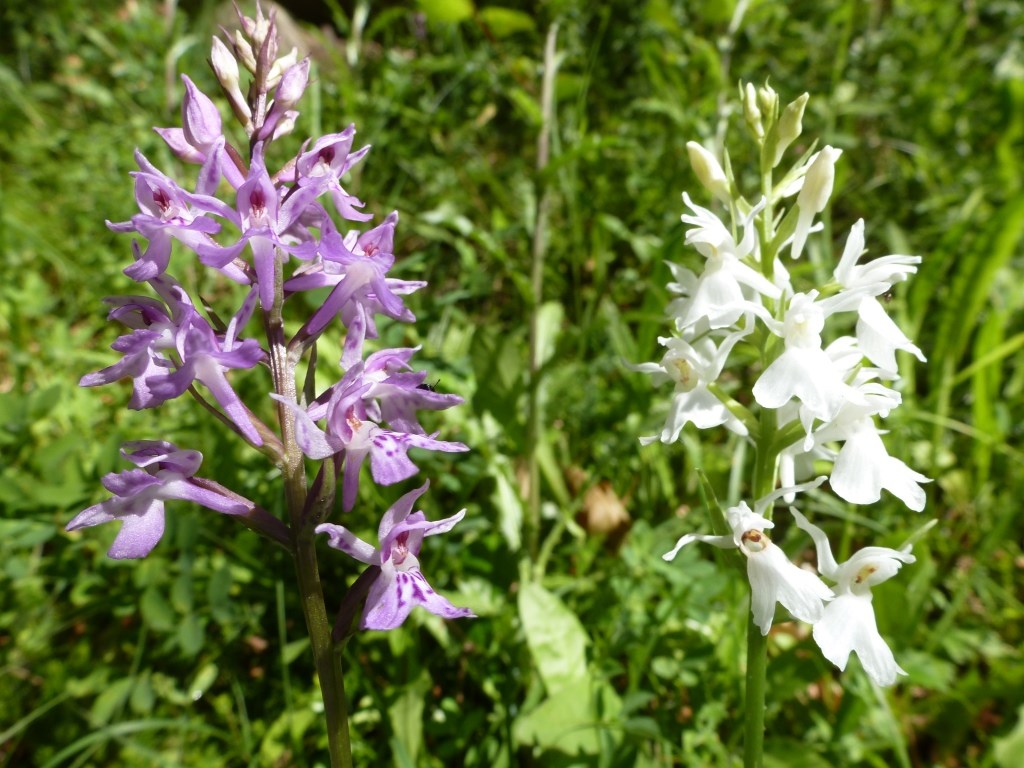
<point x="1009" y="748"/>
<point x="572" y="720"/>
<point x="157" y="611"/>
<point x="549" y="327"/>
<point x="204" y="678"/>
<point x="504" y="21"/>
<point x="142" y="696"/>
<point x="406" y="716"/>
<point x="555" y="636"/>
<point x="507" y="501"/>
<point x="447" y="11"/>
<point x="110" y="700"/>
<point x="191" y="634"/>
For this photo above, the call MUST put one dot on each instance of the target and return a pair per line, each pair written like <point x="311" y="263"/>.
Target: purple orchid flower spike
<point x="325" y="163"/>
<point x="139" y="494"/>
<point x="351" y="429"/>
<point x="201" y="140"/>
<point x="401" y="586"/>
<point x="266" y="223"/>
<point x="167" y="212"/>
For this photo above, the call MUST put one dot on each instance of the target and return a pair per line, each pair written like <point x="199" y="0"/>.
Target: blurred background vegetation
<point x="196" y="656"/>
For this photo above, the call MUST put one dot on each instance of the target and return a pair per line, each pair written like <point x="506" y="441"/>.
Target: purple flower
<point x="139" y="496"/>
<point x="401" y="586"/>
<point x="352" y="429"/>
<point x="204" y="356"/>
<point x="325" y="163"/>
<point x="168" y="350"/>
<point x="399" y="391"/>
<point x="167" y="212"/>
<point x="267" y="223"/>
<point x="142" y="349"/>
<point x="356" y="266"/>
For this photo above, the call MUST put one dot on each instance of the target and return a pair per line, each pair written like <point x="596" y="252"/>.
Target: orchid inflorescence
<point x="814" y="404"/>
<point x="270" y="231"/>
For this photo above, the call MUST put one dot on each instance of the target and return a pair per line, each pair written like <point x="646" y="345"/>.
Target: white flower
<point x="863" y="467"/>
<point x="692" y="368"/>
<point x="804" y="370"/>
<point x="717" y="296"/>
<point x="773" y="578"/>
<point x="849" y="621"/>
<point x="878" y="335"/>
<point x="814" y="194"/>
<point x="884" y="271"/>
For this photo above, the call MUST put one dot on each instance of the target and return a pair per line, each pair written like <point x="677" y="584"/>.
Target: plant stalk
<point x="765" y="463"/>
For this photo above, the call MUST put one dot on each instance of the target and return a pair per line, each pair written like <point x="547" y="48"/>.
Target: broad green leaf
<point x="157" y="611"/>
<point x="406" y="716"/>
<point x="556" y="638"/>
<point x="505" y="21"/>
<point x="110" y="700"/>
<point x="447" y="11"/>
<point x="573" y="721"/>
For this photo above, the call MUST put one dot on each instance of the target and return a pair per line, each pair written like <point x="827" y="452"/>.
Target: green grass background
<point x="195" y="656"/>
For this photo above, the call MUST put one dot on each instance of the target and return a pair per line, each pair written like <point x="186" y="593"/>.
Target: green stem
<point x="757" y="670"/>
<point x="301" y="524"/>
<point x="765" y="464"/>
<point x="328" y="662"/>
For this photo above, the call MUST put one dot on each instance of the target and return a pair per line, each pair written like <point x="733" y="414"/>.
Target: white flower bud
<point x="767" y="100"/>
<point x="225" y="66"/>
<point x="279" y="67"/>
<point x="750" y="111"/>
<point x="814" y="194"/>
<point x="708" y="171"/>
<point x="244" y="51"/>
<point x="790" y="126"/>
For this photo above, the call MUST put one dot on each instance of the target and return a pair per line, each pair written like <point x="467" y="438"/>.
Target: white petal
<point x="849" y="625"/>
<point x="857" y="472"/>
<point x="807" y="374"/>
<point x="774" y="578"/>
<point x="722" y="542"/>
<point x="851" y="253"/>
<point x="879" y="337"/>
<point x="902" y="482"/>
<point x="827" y="565"/>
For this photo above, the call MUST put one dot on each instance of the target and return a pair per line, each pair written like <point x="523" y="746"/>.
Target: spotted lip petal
<point x="401" y="586"/>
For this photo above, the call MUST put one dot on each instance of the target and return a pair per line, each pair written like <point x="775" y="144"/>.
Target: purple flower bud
<point x="292" y="86"/>
<point x="200" y="118"/>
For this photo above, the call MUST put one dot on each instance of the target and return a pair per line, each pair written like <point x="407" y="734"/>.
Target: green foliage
<point x="196" y="655"/>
